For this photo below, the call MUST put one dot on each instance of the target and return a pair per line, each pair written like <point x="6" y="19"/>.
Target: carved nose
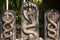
<point x="7" y="17"/>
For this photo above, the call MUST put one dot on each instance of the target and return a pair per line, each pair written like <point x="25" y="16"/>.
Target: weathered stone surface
<point x="30" y="23"/>
<point x="52" y="25"/>
<point x="8" y="27"/>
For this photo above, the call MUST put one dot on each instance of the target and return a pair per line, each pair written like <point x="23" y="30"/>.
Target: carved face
<point x="30" y="11"/>
<point x="7" y="17"/>
<point x="53" y="15"/>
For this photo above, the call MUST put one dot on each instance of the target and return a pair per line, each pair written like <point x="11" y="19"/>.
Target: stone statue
<point x="8" y="27"/>
<point x="52" y="25"/>
<point x="30" y="23"/>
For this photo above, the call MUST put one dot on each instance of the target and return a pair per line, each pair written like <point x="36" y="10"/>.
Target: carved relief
<point x="8" y="28"/>
<point x="52" y="25"/>
<point x="30" y="21"/>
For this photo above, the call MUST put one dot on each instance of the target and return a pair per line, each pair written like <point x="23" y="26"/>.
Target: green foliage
<point x="41" y="13"/>
<point x="37" y="1"/>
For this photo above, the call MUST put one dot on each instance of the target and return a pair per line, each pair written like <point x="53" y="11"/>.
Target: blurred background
<point x="43" y="5"/>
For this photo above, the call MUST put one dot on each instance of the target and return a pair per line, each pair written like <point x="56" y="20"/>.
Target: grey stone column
<point x="8" y="25"/>
<point x="52" y="24"/>
<point x="29" y="22"/>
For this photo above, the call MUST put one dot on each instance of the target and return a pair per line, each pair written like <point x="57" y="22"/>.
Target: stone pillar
<point x="52" y="25"/>
<point x="29" y="22"/>
<point x="8" y="25"/>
